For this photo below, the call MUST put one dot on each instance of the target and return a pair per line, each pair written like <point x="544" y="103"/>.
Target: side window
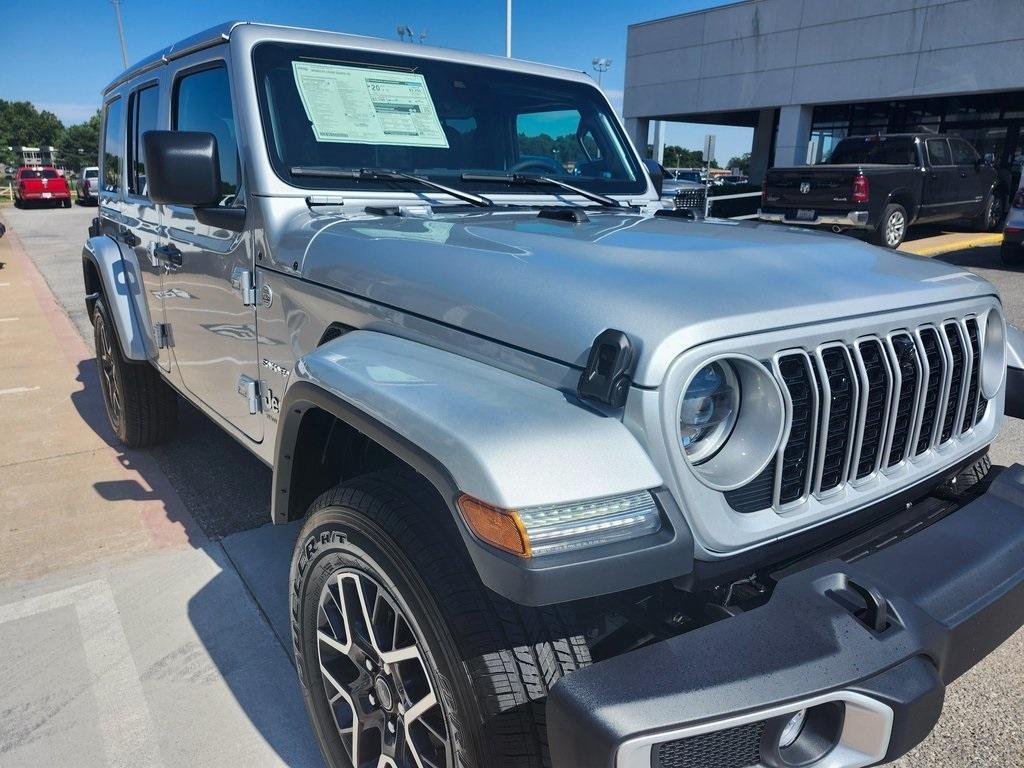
<point x="142" y="117"/>
<point x="202" y="102"/>
<point x="938" y="152"/>
<point x="963" y="153"/>
<point x="113" y="126"/>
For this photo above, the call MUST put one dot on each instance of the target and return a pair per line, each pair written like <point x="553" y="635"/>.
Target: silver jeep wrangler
<point x="584" y="481"/>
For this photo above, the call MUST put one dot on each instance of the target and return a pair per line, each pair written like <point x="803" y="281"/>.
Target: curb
<point x="981" y="241"/>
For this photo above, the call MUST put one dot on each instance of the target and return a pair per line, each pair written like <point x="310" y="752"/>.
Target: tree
<point x="741" y="163"/>
<point x="79" y="144"/>
<point x="21" y="124"/>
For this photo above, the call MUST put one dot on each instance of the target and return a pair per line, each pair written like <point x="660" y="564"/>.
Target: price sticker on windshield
<point x="353" y="105"/>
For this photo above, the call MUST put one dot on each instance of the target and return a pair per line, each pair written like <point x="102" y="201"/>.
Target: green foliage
<point x="564" y="150"/>
<point x="79" y="144"/>
<point x="742" y="163"/>
<point x="21" y="124"/>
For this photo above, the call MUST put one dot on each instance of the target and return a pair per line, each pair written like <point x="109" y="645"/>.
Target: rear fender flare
<point x="123" y="295"/>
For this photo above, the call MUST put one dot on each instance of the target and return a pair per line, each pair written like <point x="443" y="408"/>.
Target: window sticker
<point x="354" y="105"/>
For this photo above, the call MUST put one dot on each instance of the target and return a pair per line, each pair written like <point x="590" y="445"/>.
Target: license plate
<point x="803" y="214"/>
<point x="47" y="195"/>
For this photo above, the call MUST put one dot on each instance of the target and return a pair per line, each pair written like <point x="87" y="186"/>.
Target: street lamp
<point x="601" y="66"/>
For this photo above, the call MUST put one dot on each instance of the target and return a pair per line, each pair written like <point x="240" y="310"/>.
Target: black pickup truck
<point x="881" y="185"/>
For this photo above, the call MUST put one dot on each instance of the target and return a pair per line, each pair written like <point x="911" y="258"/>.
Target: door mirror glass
<point x="182" y="168"/>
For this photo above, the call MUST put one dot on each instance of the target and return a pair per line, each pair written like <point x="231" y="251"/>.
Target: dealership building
<point x="805" y="73"/>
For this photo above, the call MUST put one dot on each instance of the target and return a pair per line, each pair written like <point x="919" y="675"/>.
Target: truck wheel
<point x="404" y="657"/>
<point x="141" y="406"/>
<point x="991" y="216"/>
<point x="892" y="227"/>
<point x="965" y="479"/>
<point x="1012" y="254"/>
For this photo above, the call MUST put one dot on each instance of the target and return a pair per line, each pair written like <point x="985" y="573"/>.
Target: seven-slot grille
<point x="861" y="408"/>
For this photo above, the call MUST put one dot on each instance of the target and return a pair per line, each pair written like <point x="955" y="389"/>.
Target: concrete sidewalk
<point x="126" y="637"/>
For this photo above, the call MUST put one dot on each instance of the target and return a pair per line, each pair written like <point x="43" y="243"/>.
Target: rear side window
<point x="142" y="113"/>
<point x="113" y="127"/>
<point x="202" y="102"/>
<point x="92" y="173"/>
<point x="880" y="150"/>
<point x="963" y="153"/>
<point x="938" y="152"/>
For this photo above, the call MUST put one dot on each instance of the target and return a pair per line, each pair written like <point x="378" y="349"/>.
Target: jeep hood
<point x="550" y="286"/>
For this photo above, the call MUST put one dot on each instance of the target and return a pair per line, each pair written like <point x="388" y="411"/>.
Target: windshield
<point x="688" y="176"/>
<point x="875" y="149"/>
<point x="326" y="108"/>
<point x="92" y="173"/>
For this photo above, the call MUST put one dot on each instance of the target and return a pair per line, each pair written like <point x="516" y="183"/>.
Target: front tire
<point x="892" y="228"/>
<point x="399" y="646"/>
<point x="141" y="406"/>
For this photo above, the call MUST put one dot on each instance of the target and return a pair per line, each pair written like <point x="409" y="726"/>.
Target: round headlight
<point x="709" y="409"/>
<point x="993" y="362"/>
<point x="731" y="419"/>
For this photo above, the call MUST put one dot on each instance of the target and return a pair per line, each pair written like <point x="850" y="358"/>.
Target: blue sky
<point x="568" y="33"/>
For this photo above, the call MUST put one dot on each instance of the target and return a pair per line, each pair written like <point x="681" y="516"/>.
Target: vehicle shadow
<point x="986" y="257"/>
<point x="240" y="616"/>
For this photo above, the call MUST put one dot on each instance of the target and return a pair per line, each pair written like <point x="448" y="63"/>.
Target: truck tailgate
<point x="819" y="187"/>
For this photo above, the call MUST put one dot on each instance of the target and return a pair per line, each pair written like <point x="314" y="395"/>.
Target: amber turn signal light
<point x="501" y="528"/>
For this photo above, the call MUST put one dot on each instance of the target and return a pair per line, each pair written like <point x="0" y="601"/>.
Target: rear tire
<point x="991" y="217"/>
<point x="141" y="406"/>
<point x="1012" y="254"/>
<point x="892" y="227"/>
<point x="488" y="662"/>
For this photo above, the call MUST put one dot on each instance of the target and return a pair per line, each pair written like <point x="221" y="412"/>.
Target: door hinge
<point x="249" y="388"/>
<point x="162" y="332"/>
<point x="247" y="286"/>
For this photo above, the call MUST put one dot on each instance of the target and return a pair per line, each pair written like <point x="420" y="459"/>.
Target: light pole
<point x="120" y="32"/>
<point x="404" y="30"/>
<point x="601" y="66"/>
<point x="508" y="29"/>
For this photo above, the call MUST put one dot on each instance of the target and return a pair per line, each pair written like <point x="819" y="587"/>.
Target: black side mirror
<point x="182" y="168"/>
<point x="657" y="174"/>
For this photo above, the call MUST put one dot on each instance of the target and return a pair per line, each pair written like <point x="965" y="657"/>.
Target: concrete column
<point x="659" y="141"/>
<point x="762" y="146"/>
<point x="638" y="128"/>
<point x="794" y="133"/>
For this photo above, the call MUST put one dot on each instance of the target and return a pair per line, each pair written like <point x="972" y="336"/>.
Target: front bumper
<point x="949" y="594"/>
<point x="849" y="220"/>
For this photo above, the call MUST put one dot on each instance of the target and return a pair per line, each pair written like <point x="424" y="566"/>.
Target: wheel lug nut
<point x="369" y="665"/>
<point x="391" y="726"/>
<point x="373" y="701"/>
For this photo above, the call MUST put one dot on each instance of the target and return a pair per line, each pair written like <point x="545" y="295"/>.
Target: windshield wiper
<point x="372" y="174"/>
<point x="531" y="178"/>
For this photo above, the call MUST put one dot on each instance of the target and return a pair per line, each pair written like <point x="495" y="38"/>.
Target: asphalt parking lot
<point x="204" y="649"/>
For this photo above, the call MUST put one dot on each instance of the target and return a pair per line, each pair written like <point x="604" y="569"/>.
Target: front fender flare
<point x="471" y="428"/>
<point x="123" y="295"/>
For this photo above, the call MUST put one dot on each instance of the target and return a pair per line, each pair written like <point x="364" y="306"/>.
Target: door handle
<point x="169" y="253"/>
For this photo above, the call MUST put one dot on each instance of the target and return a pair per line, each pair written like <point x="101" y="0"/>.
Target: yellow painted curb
<point x="981" y="241"/>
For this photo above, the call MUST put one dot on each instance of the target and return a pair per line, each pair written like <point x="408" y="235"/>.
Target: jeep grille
<point x="860" y="408"/>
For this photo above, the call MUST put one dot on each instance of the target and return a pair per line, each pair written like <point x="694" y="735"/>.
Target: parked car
<point x="1013" y="232"/>
<point x="721" y="181"/>
<point x="88" y="185"/>
<point x="41" y="185"/>
<point x="681" y="193"/>
<point x="882" y="185"/>
<point x="580" y="481"/>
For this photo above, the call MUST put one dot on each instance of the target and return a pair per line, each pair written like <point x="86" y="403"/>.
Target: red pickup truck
<point x="41" y="185"/>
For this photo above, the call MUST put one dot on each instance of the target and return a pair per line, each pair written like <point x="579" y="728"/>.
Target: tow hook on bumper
<point x="845" y="666"/>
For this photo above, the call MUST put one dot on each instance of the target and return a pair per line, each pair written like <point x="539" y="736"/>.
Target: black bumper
<point x="952" y="593"/>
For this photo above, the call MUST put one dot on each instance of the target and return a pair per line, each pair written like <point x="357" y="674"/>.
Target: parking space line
<point x="8" y="319"/>
<point x="124" y="718"/>
<point x="16" y="390"/>
<point x="4" y="285"/>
